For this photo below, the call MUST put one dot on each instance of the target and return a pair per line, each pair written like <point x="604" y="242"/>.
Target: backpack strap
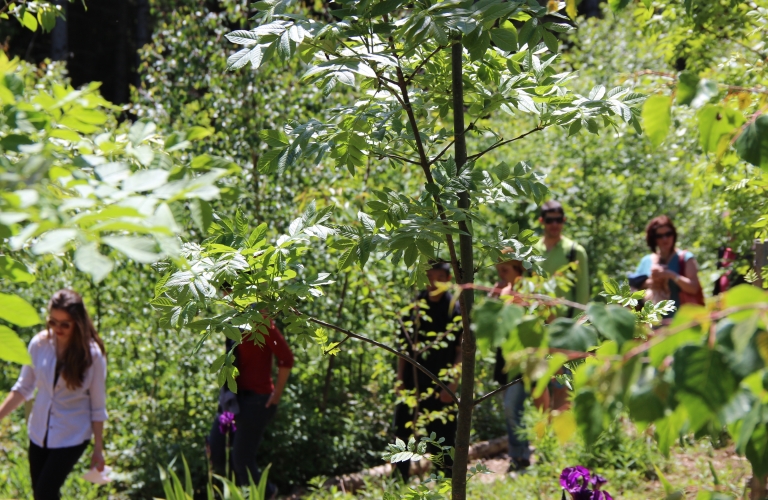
<point x="681" y="263"/>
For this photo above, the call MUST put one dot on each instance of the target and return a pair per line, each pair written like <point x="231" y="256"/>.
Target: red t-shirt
<point x="254" y="361"/>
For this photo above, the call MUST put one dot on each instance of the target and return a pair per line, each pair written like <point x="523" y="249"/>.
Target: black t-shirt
<point x="438" y="318"/>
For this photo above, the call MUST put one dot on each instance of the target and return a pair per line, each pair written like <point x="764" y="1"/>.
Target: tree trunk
<point x="468" y="345"/>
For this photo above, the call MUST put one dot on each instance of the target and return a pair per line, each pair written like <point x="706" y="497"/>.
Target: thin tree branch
<point x="395" y="157"/>
<point x="502" y="143"/>
<point x="385" y="347"/>
<point x="446" y="148"/>
<point x="422" y="63"/>
<point x="498" y="390"/>
<point x="424" y="161"/>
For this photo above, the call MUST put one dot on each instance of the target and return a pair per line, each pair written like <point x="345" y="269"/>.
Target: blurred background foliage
<point x="336" y="413"/>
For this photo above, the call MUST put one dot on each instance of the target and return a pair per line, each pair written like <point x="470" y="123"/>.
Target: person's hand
<point x="658" y="272"/>
<point x="274" y="399"/>
<point x="97" y="460"/>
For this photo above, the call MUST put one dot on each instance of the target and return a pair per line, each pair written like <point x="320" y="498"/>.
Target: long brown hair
<point x="77" y="357"/>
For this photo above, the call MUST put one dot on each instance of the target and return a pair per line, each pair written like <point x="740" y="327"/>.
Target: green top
<point x="557" y="258"/>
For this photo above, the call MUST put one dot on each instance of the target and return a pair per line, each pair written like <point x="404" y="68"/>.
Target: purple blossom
<point x="574" y="479"/>
<point x="601" y="495"/>
<point x="227" y="422"/>
<point x="597" y="481"/>
<point x="578" y="480"/>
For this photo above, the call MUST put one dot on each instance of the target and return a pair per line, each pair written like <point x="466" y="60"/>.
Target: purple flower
<point x="584" y="494"/>
<point x="574" y="479"/>
<point x="601" y="495"/>
<point x="227" y="422"/>
<point x="597" y="481"/>
<point x="577" y="481"/>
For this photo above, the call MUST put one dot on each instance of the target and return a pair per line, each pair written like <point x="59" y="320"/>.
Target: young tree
<point x="428" y="73"/>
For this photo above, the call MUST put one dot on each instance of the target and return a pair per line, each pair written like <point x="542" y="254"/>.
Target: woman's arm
<point x="282" y="377"/>
<point x="12" y="401"/>
<point x="98" y="393"/>
<point x="688" y="280"/>
<point x="97" y="459"/>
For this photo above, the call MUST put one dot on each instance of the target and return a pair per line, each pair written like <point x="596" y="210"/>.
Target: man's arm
<point x="582" y="276"/>
<point x="283" y="373"/>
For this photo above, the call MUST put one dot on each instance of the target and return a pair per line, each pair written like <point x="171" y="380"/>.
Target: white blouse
<point x="66" y="414"/>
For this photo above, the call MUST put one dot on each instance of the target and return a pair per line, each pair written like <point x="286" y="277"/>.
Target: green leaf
<point x="617" y="5"/>
<point x="589" y="415"/>
<point x="202" y="214"/>
<point x="141" y="250"/>
<point x="743" y="296"/>
<point x="411" y="254"/>
<point x="668" y="429"/>
<point x="717" y="125"/>
<point x="274" y="138"/>
<point x="495" y="321"/>
<point x="505" y="38"/>
<point x="689" y="312"/>
<point x="686" y="87"/>
<point x="257" y="234"/>
<point x="89" y="260"/>
<point x="550" y="41"/>
<point x="704" y="374"/>
<point x="555" y="362"/>
<point x="145" y="180"/>
<point x="566" y="333"/>
<point x="17" y="311"/>
<point x="613" y="322"/>
<point x="385" y="7"/>
<point x="54" y="241"/>
<point x="752" y="144"/>
<point x="657" y="118"/>
<point x="15" y="271"/>
<point x="29" y="21"/>
<point x="141" y="131"/>
<point x="348" y="258"/>
<point x="645" y="405"/>
<point x="12" y="348"/>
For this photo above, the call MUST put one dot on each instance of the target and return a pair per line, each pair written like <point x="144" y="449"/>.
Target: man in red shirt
<point x="254" y="405"/>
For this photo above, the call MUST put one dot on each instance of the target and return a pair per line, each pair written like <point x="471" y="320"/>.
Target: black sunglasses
<point x="661" y="236"/>
<point x="550" y="220"/>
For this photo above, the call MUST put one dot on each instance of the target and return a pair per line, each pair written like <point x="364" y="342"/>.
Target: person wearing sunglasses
<point x="69" y="371"/>
<point x="560" y="252"/>
<point x="668" y="273"/>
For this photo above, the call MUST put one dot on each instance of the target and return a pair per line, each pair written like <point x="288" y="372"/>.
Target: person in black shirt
<point x="434" y="341"/>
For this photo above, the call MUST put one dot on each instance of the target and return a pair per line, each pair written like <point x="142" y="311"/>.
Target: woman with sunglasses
<point x="69" y="369"/>
<point x="669" y="272"/>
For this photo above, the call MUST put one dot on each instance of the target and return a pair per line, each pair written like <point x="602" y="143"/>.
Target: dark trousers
<point x="244" y="442"/>
<point x="447" y="430"/>
<point x="49" y="468"/>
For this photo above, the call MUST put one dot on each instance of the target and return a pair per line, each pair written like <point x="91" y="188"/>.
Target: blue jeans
<point x="251" y="422"/>
<point x="514" y="404"/>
